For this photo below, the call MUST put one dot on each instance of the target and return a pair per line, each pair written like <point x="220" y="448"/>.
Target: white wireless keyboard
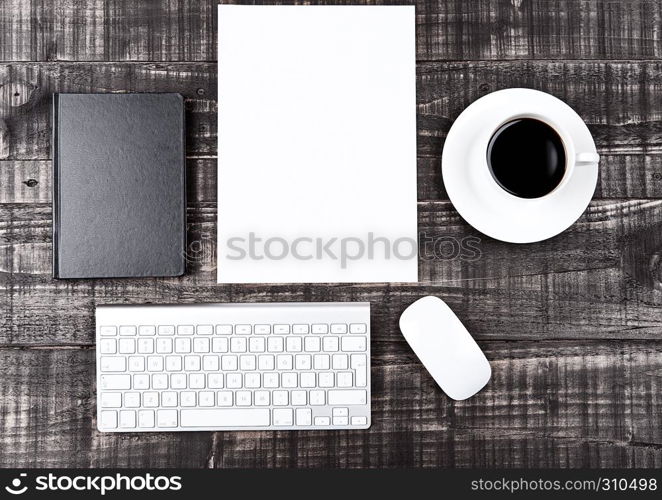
<point x="233" y="367"/>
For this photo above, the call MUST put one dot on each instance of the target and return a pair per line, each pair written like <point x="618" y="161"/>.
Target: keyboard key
<point x="338" y="328"/>
<point x="205" y="330"/>
<point x="243" y="398"/>
<point x="266" y="362"/>
<point x="359" y="363"/>
<point x="294" y="344"/>
<point x="233" y="381"/>
<point x="321" y="361"/>
<point x="340" y="421"/>
<point x="322" y="421"/>
<point x="359" y="421"/>
<point x="256" y="344"/>
<point x="303" y="362"/>
<point x="231" y="417"/>
<point x="173" y="363"/>
<point x="154" y="363"/>
<point x="127" y="346"/>
<point x="228" y="363"/>
<point x="300" y="329"/>
<point x="185" y="329"/>
<point x="347" y="397"/>
<point x="159" y="381"/>
<point x="141" y="382"/>
<point x="330" y="344"/>
<point x="299" y="398"/>
<point x="247" y="362"/>
<point x="146" y="346"/>
<point x="262" y="329"/>
<point x="308" y="379"/>
<point x="169" y="399"/>
<point x="304" y="416"/>
<point x="262" y="398"/>
<point x="111" y="400"/>
<point x="115" y="382"/>
<point x="312" y="344"/>
<point x="196" y="381"/>
<point x="215" y="381"/>
<point x="107" y="331"/>
<point x="166" y="330"/>
<point x="127" y="419"/>
<point x="358" y="328"/>
<point x="275" y="344"/>
<point x="325" y="379"/>
<point x="339" y="362"/>
<point x="351" y="344"/>
<point x="243" y="329"/>
<point x="201" y="344"/>
<point x="187" y="398"/>
<point x="224" y="398"/>
<point x="108" y="346"/>
<point x="146" y="418"/>
<point x="340" y="412"/>
<point x="112" y="364"/>
<point x="109" y="419"/>
<point x="281" y="329"/>
<point x="132" y="400"/>
<point x="210" y="363"/>
<point x="283" y="416"/>
<point x="317" y="398"/>
<point x="164" y="345"/>
<point x="127" y="330"/>
<point x="178" y="381"/>
<point x="238" y="344"/>
<point x="344" y="379"/>
<point x="270" y="380"/>
<point x="253" y="380"/>
<point x="206" y="398"/>
<point x="223" y="329"/>
<point x="289" y="380"/>
<point x="192" y="363"/>
<point x="166" y="418"/>
<point x="182" y="345"/>
<point x="146" y="330"/>
<point x="219" y="344"/>
<point x="284" y="361"/>
<point x="150" y="399"/>
<point x="320" y="328"/>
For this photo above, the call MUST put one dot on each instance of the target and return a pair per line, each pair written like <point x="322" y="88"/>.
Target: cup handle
<point x="587" y="159"/>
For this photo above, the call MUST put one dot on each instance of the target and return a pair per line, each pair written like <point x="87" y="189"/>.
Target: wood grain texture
<point x="572" y="326"/>
<point x="600" y="279"/>
<point x="620" y="101"/>
<point x="594" y="404"/>
<point x="182" y="30"/>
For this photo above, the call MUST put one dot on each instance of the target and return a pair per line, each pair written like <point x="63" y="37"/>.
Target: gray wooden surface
<point x="572" y="326"/>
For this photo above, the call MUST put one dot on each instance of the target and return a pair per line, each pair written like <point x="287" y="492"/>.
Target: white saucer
<point x="475" y="194"/>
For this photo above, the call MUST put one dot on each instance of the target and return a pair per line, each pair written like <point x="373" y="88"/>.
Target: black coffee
<point x="526" y="158"/>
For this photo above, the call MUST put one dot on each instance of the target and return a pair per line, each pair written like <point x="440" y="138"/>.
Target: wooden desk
<point x="572" y="326"/>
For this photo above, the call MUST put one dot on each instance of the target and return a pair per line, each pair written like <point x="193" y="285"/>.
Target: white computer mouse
<point x="445" y="347"/>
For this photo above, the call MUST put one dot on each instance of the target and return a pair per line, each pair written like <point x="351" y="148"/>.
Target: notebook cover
<point x="119" y="200"/>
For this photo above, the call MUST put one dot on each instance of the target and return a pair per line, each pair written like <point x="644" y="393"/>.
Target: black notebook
<point x="119" y="200"/>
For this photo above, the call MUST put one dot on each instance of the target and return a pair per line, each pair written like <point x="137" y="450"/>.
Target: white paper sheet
<point x="317" y="144"/>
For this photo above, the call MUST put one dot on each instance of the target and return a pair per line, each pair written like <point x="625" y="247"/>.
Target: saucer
<point x="492" y="210"/>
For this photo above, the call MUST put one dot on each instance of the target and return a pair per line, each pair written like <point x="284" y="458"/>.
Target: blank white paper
<point x="317" y="144"/>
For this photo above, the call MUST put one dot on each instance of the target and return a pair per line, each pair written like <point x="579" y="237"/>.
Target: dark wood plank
<point x="600" y="279"/>
<point x="621" y="176"/>
<point x="184" y="30"/>
<point x="619" y="101"/>
<point x="548" y="405"/>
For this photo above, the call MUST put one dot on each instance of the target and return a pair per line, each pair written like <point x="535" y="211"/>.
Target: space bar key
<point x="225" y="418"/>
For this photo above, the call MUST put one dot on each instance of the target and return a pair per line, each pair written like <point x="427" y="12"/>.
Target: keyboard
<point x="293" y="366"/>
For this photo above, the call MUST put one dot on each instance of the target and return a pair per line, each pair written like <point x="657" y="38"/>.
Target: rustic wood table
<point x="572" y="326"/>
